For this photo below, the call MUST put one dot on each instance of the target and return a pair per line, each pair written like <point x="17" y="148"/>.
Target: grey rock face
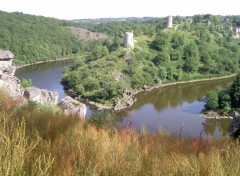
<point x="6" y="55"/>
<point x="235" y="125"/>
<point x="7" y="69"/>
<point x="41" y="96"/>
<point x="12" y="85"/>
<point x="128" y="100"/>
<point x="6" y="62"/>
<point x="73" y="107"/>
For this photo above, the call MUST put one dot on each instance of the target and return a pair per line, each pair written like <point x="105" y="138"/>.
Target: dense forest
<point x="36" y="38"/>
<point x="202" y="48"/>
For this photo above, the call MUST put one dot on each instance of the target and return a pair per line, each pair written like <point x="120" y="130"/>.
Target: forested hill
<point x="201" y="47"/>
<point x="36" y="38"/>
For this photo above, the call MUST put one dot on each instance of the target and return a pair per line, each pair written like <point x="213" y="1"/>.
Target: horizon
<point x="118" y="17"/>
<point x="93" y="9"/>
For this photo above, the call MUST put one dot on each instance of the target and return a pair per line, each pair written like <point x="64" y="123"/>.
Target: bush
<point x="211" y="100"/>
<point x="26" y="83"/>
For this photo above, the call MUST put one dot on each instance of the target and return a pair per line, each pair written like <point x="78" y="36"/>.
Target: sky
<point x="79" y="9"/>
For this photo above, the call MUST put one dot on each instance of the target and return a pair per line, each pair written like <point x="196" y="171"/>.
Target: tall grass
<point x="37" y="140"/>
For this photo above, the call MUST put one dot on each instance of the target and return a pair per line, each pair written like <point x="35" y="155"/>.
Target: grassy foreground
<point x="38" y="140"/>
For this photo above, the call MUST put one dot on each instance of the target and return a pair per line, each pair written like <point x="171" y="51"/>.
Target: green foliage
<point x="212" y="100"/>
<point x="191" y="57"/>
<point x="162" y="41"/>
<point x="226" y="100"/>
<point x="98" y="52"/>
<point x="101" y="118"/>
<point x="235" y="93"/>
<point x="36" y="38"/>
<point x="118" y="28"/>
<point x="192" y="51"/>
<point x="26" y="83"/>
<point x="15" y="149"/>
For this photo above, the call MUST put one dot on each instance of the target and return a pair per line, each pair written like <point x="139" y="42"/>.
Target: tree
<point x="211" y="100"/>
<point x="224" y="102"/>
<point x="162" y="41"/>
<point x="98" y="52"/>
<point x="191" y="57"/>
<point x="162" y="73"/>
<point x="162" y="58"/>
<point x="235" y="93"/>
<point x="26" y="83"/>
<point x="197" y="19"/>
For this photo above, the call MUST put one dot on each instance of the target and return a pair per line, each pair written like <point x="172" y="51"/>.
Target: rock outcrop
<point x="128" y="100"/>
<point x="7" y="69"/>
<point x="235" y="125"/>
<point x="7" y="80"/>
<point x="73" y="107"/>
<point x="209" y="114"/>
<point x="6" y="62"/>
<point x="12" y="85"/>
<point x="41" y="96"/>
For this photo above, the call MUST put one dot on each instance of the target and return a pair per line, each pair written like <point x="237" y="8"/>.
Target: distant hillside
<point x="86" y="34"/>
<point x="118" y="28"/>
<point x="36" y="38"/>
<point x="198" y="48"/>
<point x="99" y="20"/>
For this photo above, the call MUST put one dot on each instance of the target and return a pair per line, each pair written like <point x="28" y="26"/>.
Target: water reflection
<point x="170" y="108"/>
<point x="175" y="107"/>
<point x="45" y="75"/>
<point x="210" y="126"/>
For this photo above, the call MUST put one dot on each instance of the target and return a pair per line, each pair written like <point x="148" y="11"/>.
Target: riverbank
<point x="129" y="98"/>
<point x="41" y="62"/>
<point x="209" y="114"/>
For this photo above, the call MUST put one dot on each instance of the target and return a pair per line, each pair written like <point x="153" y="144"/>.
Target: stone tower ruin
<point x="128" y="40"/>
<point x="169" y="21"/>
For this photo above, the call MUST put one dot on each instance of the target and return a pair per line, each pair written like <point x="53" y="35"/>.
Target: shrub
<point x="26" y="83"/>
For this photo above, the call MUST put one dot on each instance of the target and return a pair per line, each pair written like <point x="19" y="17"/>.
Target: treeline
<point x="36" y="38"/>
<point x="118" y="28"/>
<point x="188" y="51"/>
<point x="225" y="100"/>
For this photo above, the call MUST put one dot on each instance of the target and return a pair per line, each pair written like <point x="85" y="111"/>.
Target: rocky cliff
<point x="42" y="96"/>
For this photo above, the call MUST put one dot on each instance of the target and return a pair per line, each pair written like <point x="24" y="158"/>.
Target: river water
<point x="174" y="108"/>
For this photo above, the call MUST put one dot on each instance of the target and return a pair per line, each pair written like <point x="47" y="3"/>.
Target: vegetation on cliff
<point x="40" y="140"/>
<point x="204" y="48"/>
<point x="225" y="100"/>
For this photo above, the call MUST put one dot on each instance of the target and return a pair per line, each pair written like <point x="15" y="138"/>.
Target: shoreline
<point x="210" y="114"/>
<point x="183" y="82"/>
<point x="130" y="97"/>
<point x="147" y="89"/>
<point x="41" y="62"/>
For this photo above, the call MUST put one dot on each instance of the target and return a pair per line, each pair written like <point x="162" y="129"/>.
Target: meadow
<point x="40" y="140"/>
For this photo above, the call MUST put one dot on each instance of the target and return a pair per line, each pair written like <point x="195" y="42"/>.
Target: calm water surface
<point x="47" y="76"/>
<point x="174" y="108"/>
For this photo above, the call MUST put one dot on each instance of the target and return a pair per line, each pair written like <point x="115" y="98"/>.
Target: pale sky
<point x="78" y="9"/>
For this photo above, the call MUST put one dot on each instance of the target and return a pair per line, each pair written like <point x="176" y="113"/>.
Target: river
<point x="174" y="108"/>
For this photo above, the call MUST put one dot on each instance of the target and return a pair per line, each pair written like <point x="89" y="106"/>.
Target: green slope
<point x="36" y="38"/>
<point x="192" y="51"/>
